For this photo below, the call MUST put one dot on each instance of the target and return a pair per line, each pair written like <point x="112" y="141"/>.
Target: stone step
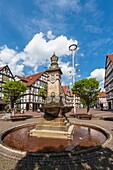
<point x="53" y="121"/>
<point x="52" y="124"/>
<point x="48" y="134"/>
<point x="49" y="127"/>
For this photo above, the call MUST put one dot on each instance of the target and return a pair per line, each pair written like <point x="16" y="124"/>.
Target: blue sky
<point x="31" y="31"/>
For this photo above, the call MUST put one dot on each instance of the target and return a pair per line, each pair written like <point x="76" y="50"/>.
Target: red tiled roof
<point x="65" y="88"/>
<point x="71" y="93"/>
<point x="102" y="94"/>
<point x="110" y="56"/>
<point x="29" y="80"/>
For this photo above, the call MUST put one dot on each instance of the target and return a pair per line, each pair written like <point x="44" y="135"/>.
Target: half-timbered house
<point x="68" y="97"/>
<point x="109" y="80"/>
<point x="5" y="75"/>
<point x="30" y="99"/>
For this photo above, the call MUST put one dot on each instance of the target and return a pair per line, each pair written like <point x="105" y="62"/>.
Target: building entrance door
<point x="109" y="105"/>
<point x="35" y="107"/>
<point x="27" y="106"/>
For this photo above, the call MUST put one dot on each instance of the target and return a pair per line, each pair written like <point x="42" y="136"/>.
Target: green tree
<point x="12" y="91"/>
<point x="43" y="92"/>
<point x="87" y="90"/>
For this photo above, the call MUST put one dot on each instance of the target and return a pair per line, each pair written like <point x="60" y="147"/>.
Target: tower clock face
<point x="52" y="78"/>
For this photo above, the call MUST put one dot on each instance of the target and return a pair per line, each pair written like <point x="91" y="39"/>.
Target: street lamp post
<point x="73" y="48"/>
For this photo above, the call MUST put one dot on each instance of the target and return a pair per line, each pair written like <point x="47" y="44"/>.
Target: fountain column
<point x="54" y="100"/>
<point x="54" y="124"/>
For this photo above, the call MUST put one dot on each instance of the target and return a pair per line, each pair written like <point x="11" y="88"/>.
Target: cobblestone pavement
<point x="97" y="159"/>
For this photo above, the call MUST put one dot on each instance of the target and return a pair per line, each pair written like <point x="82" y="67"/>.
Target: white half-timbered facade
<point x="109" y="80"/>
<point x="68" y="97"/>
<point x="30" y="99"/>
<point x="5" y="75"/>
<point x="102" y="102"/>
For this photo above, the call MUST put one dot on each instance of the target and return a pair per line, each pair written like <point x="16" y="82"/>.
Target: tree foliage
<point x="87" y="90"/>
<point x="43" y="92"/>
<point x="12" y="91"/>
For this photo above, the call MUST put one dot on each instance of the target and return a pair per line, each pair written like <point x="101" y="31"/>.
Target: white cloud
<point x="66" y="69"/>
<point x="11" y="57"/>
<point x="56" y="10"/>
<point x="39" y="49"/>
<point x="67" y="73"/>
<point x="73" y="5"/>
<point x="50" y="35"/>
<point x="36" y="53"/>
<point x="17" y="69"/>
<point x="93" y="29"/>
<point x="6" y="54"/>
<point x="59" y="5"/>
<point x="99" y="74"/>
<point x="81" y="54"/>
<point x="102" y="85"/>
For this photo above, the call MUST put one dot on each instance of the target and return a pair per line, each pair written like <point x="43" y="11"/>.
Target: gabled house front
<point x="5" y="75"/>
<point x="30" y="99"/>
<point x="102" y="103"/>
<point x="68" y="97"/>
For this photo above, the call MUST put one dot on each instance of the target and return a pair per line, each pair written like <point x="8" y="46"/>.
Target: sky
<point x="32" y="31"/>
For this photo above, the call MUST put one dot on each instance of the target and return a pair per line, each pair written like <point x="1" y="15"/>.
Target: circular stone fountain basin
<point x="84" y="137"/>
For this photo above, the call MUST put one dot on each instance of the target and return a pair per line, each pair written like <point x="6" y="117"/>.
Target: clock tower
<point x="54" y="78"/>
<point x="54" y="124"/>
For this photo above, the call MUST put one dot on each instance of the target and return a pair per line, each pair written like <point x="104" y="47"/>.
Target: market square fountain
<point x="54" y="124"/>
<point x="53" y="133"/>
